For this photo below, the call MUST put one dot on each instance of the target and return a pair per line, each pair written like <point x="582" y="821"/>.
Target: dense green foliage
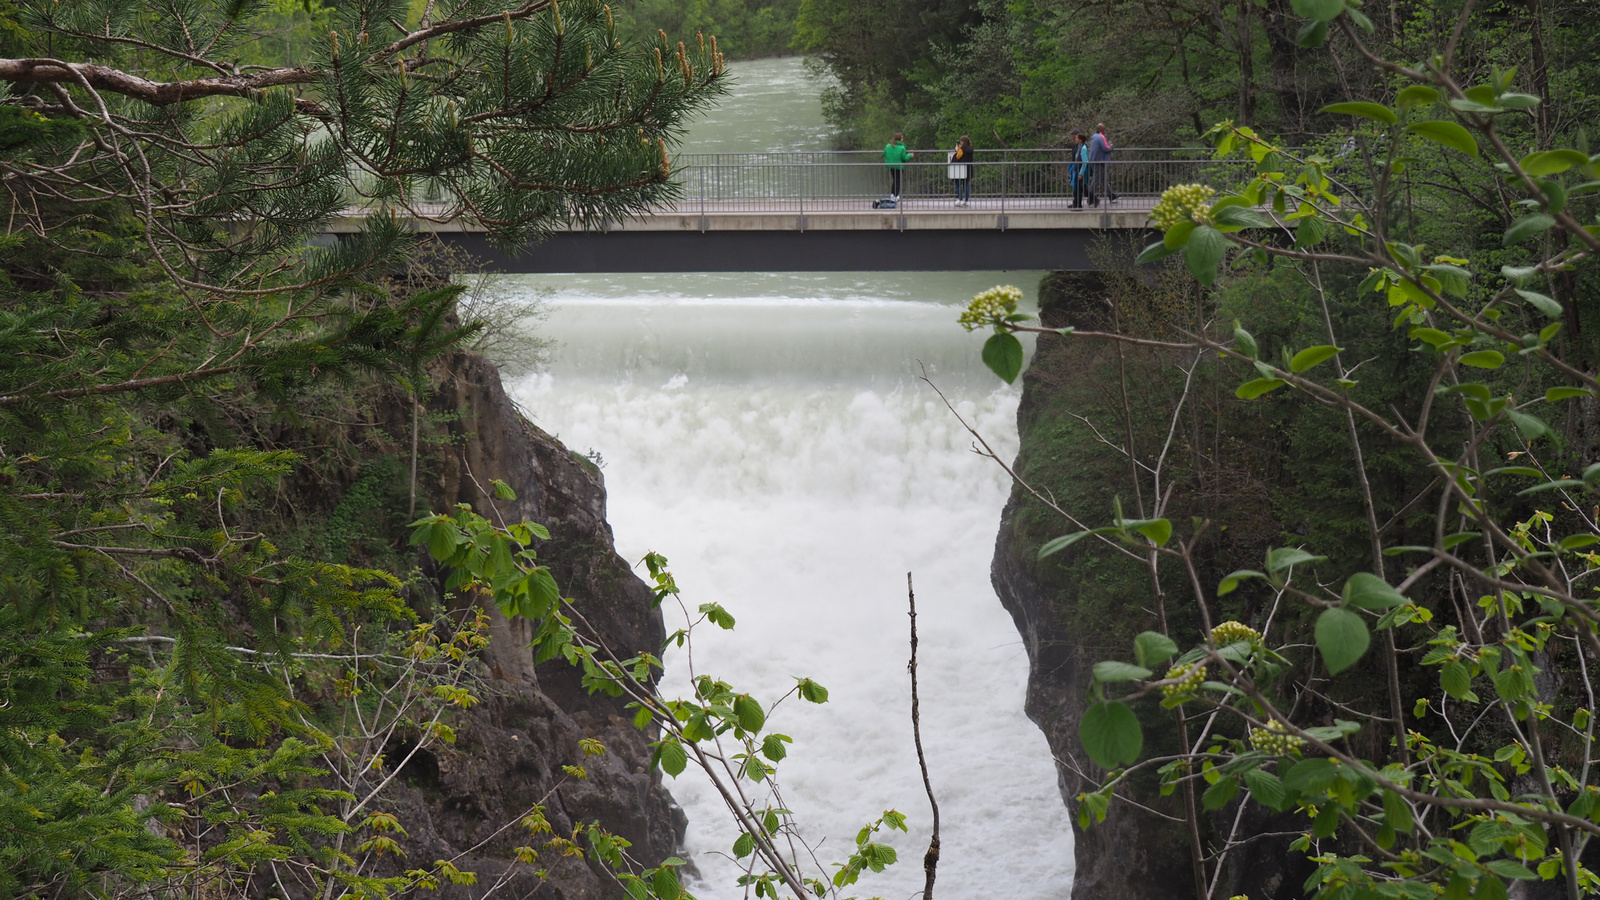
<point x="744" y="28"/>
<point x="210" y="632"/>
<point x="1354" y="423"/>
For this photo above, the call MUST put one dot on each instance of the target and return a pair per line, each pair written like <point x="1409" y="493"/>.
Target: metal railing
<point x="840" y="181"/>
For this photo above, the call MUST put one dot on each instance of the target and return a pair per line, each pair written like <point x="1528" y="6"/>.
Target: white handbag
<point x="954" y="172"/>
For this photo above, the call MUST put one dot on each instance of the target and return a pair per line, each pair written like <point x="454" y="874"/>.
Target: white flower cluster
<point x="987" y="307"/>
<point x="1272" y="739"/>
<point x="1234" y="632"/>
<point x="1189" y="678"/>
<point x="1184" y="202"/>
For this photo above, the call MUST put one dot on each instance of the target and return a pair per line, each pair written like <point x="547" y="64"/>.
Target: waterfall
<point x="768" y="434"/>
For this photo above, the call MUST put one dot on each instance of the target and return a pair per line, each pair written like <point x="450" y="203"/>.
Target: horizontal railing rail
<point x="828" y="181"/>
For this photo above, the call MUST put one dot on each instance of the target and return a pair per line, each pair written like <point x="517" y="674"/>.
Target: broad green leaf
<point x="1319" y="10"/>
<point x="673" y="758"/>
<point x="1112" y="671"/>
<point x="1530" y="427"/>
<point x="1416" y="95"/>
<point x="1002" y="353"/>
<point x="1510" y="868"/>
<point x="812" y="692"/>
<point x="1159" y="531"/>
<point x="1527" y="227"/>
<point x="1152" y="647"/>
<point x="1564" y="393"/>
<point x="1342" y="638"/>
<point x="1178" y="235"/>
<point x="1228" y="584"/>
<point x="1158" y="250"/>
<point x="744" y="845"/>
<point x="1368" y="591"/>
<point x="1312" y="34"/>
<point x="772" y="747"/>
<point x="1204" y="251"/>
<point x="1483" y="359"/>
<point x="1311" y="776"/>
<point x="665" y="883"/>
<point x="1111" y="734"/>
<point x="1447" y="133"/>
<point x="1552" y="162"/>
<point x="1266" y="788"/>
<point x="1218" y="795"/>
<point x="1550" y="307"/>
<point x="1518" y="101"/>
<point x="1397" y="813"/>
<point x="1056" y="545"/>
<point x="1455" y="679"/>
<point x="502" y="490"/>
<point x="1577" y="541"/>
<point x="1375" y="111"/>
<point x="1239" y="217"/>
<point x="1250" y="390"/>
<point x="751" y="716"/>
<point x="1284" y="557"/>
<point x="1312" y="356"/>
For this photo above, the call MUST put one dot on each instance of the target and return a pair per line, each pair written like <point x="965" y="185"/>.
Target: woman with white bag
<point x="960" y="170"/>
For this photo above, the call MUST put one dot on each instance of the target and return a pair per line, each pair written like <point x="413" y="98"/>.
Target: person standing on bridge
<point x="895" y="156"/>
<point x="1078" y="169"/>
<point x="960" y="161"/>
<point x="1100" y="177"/>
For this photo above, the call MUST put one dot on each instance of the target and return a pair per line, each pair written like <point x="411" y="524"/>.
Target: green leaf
<point x="772" y="747"/>
<point x="1152" y="647"/>
<point x="1312" y="34"/>
<point x="1527" y="227"/>
<point x="1552" y="162"/>
<point x="1204" y="251"/>
<point x="674" y="759"/>
<point x="1228" y="584"/>
<point x="1319" y="10"/>
<point x="1311" y="776"/>
<point x="1239" y="217"/>
<point x="1058" y="544"/>
<point x="1002" y="353"/>
<point x="1530" y="427"/>
<point x="1510" y="868"/>
<point x="1111" y="672"/>
<point x="1111" y="734"/>
<point x="1375" y="111"/>
<point x="1178" y="235"/>
<point x="1455" y="679"/>
<point x="1266" y="789"/>
<point x="665" y="883"/>
<point x="1577" y="541"/>
<point x="1447" y="133"/>
<point x="1158" y="250"/>
<point x="1312" y="357"/>
<point x="1546" y="305"/>
<point x="1342" y="638"/>
<point x="1416" y="95"/>
<point x="744" y="845"/>
<point x="1284" y="557"/>
<point x="1250" y="390"/>
<point x="812" y="692"/>
<point x="1564" y="393"/>
<point x="1245" y="340"/>
<point x="1397" y="813"/>
<point x="1483" y="359"/>
<point x="503" y="491"/>
<point x="749" y="712"/>
<point x="1218" y="795"/>
<point x="1159" y="531"/>
<point x="1368" y="591"/>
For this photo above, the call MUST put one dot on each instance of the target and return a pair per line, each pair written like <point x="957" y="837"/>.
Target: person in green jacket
<point x="895" y="156"/>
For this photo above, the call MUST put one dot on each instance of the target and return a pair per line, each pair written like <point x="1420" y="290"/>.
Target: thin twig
<point x="930" y="860"/>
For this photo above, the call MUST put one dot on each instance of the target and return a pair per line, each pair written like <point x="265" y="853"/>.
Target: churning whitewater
<point x="769" y="435"/>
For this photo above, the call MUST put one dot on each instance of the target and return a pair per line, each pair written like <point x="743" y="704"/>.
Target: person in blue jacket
<point x="1078" y="169"/>
<point x="1099" y="155"/>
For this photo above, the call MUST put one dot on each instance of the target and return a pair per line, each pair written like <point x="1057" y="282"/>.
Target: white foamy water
<point x="767" y="434"/>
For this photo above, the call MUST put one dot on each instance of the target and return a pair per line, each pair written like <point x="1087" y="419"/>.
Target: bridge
<point x="814" y="211"/>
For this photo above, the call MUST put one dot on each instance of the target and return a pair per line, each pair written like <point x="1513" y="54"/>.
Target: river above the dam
<point x="770" y="435"/>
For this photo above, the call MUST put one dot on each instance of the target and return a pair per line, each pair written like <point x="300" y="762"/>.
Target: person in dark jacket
<point x="895" y="156"/>
<point x="961" y="161"/>
<point x="1078" y="169"/>
<point x="1100" y="176"/>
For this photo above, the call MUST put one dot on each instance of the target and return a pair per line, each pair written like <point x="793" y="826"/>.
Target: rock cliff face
<point x="510" y="749"/>
<point x="1082" y="401"/>
<point x="1069" y="617"/>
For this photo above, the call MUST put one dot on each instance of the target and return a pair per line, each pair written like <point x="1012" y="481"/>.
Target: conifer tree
<point x="164" y="176"/>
